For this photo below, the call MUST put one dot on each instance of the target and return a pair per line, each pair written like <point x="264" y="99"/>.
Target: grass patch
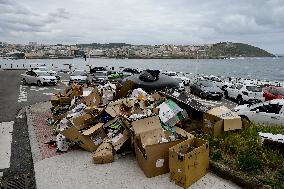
<point x="243" y="151"/>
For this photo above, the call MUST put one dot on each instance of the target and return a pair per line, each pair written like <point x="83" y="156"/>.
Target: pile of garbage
<point x="111" y="119"/>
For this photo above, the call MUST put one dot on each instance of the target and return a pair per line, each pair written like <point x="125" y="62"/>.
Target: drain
<point x="16" y="182"/>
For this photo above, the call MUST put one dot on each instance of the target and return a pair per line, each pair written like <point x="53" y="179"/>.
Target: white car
<point x="245" y="93"/>
<point x="185" y="80"/>
<point x="267" y="113"/>
<point x="218" y="82"/>
<point x="78" y="76"/>
<point x="43" y="68"/>
<point x="39" y="78"/>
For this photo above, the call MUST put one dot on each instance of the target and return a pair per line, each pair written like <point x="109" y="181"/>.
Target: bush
<point x="216" y="155"/>
<point x="247" y="161"/>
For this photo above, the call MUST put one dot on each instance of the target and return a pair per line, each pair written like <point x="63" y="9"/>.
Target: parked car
<point x="185" y="80"/>
<point x="78" y="76"/>
<point x="98" y="69"/>
<point x="205" y="89"/>
<point x="273" y="92"/>
<point x="44" y="68"/>
<point x="100" y="76"/>
<point x="130" y="71"/>
<point x="218" y="82"/>
<point x="39" y="78"/>
<point x="245" y="93"/>
<point x="268" y="113"/>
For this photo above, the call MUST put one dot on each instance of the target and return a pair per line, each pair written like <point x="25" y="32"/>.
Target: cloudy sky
<point x="257" y="22"/>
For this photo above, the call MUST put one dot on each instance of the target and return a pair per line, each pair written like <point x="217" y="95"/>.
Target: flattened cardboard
<point x="146" y="124"/>
<point x="103" y="154"/>
<point x="188" y="161"/>
<point x="94" y="98"/>
<point x="113" y="110"/>
<point x="93" y="129"/>
<point x="81" y="122"/>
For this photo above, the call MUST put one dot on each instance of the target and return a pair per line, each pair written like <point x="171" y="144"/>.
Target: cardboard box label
<point x="160" y="163"/>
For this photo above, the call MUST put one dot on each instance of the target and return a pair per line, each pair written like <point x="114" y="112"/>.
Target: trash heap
<point x="112" y="119"/>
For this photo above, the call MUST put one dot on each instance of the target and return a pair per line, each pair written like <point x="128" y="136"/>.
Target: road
<point x="16" y="165"/>
<point x="16" y="158"/>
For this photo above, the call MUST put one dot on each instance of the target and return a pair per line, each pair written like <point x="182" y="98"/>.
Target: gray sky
<point x="257" y="22"/>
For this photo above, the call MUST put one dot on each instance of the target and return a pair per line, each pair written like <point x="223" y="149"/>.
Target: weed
<point x="247" y="161"/>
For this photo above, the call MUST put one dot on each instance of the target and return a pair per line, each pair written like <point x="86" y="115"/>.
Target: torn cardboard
<point x="94" y="98"/>
<point x="89" y="140"/>
<point x="103" y="154"/>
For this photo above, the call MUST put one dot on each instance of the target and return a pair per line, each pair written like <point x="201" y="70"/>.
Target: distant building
<point x="32" y="43"/>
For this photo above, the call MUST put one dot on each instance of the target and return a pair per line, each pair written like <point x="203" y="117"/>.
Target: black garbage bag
<point x="149" y="75"/>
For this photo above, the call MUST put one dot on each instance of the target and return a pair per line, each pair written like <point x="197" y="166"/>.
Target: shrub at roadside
<point x="244" y="152"/>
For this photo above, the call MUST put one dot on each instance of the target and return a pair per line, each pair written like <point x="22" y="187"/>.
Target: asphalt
<point x="13" y="97"/>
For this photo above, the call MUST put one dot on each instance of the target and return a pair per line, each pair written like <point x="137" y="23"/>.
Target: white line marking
<point x="57" y="89"/>
<point x="48" y="94"/>
<point x="6" y="129"/>
<point x="23" y="96"/>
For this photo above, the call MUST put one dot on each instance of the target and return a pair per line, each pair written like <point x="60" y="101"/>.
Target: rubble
<point x="111" y="119"/>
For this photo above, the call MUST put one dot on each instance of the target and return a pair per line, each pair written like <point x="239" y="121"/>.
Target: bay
<point x="255" y="68"/>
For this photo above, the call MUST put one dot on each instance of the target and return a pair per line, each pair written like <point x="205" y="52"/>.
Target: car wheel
<point x="24" y="82"/>
<point x="39" y="83"/>
<point x="239" y="100"/>
<point x="226" y="94"/>
<point x="202" y="95"/>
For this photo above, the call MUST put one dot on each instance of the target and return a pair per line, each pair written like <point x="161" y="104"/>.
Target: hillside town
<point x="33" y="50"/>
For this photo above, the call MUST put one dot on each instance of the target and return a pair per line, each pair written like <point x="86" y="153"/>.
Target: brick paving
<point x="44" y="134"/>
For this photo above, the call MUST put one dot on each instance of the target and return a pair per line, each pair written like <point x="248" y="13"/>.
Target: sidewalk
<point x="75" y="168"/>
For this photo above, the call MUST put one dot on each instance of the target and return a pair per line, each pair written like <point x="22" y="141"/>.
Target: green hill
<point x="229" y="49"/>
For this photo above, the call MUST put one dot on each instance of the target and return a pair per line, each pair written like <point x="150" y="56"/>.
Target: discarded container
<point x="61" y="143"/>
<point x="221" y="119"/>
<point x="188" y="161"/>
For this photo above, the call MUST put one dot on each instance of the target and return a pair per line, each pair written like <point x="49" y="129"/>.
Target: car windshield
<point x="281" y="92"/>
<point x="79" y="73"/>
<point x="205" y="84"/>
<point x="43" y="73"/>
<point x="171" y="74"/>
<point x="216" y="79"/>
<point x="254" y="88"/>
<point x="100" y="74"/>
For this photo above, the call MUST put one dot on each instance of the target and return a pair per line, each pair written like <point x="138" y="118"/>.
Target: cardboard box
<point x="89" y="140"/>
<point x="103" y="154"/>
<point x="94" y="98"/>
<point x="83" y="121"/>
<point x="220" y="119"/>
<point x="152" y="156"/>
<point x="56" y="100"/>
<point x="188" y="161"/>
<point x="59" y="117"/>
<point x="121" y="137"/>
<point x="146" y="124"/>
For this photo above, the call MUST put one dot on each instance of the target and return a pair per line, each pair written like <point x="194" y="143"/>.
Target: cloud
<point x="258" y="22"/>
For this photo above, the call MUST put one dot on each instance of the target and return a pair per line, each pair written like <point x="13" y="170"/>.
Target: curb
<point x="234" y="176"/>
<point x="36" y="155"/>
